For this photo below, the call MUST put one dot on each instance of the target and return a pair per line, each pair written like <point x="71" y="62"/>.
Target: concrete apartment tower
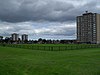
<point x="15" y="37"/>
<point x="24" y="37"/>
<point x="88" y="28"/>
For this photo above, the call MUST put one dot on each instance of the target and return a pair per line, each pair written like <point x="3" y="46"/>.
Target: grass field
<point x="16" y="61"/>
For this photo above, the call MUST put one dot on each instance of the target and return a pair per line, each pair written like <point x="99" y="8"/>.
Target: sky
<point x="47" y="19"/>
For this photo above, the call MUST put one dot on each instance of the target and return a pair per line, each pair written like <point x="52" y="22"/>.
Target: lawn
<point x="16" y="61"/>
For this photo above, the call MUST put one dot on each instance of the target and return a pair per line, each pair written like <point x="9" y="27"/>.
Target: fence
<point x="52" y="48"/>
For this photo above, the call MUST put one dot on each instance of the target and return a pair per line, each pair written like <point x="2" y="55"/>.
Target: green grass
<point x="15" y="61"/>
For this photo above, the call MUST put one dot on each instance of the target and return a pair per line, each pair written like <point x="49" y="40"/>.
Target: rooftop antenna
<point x="86" y="11"/>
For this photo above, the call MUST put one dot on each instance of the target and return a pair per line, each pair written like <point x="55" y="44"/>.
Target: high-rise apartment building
<point x="88" y="28"/>
<point x="24" y="37"/>
<point x="15" y="37"/>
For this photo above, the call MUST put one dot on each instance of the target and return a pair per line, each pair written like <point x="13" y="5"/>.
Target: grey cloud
<point x="42" y="10"/>
<point x="36" y="10"/>
<point x="28" y="28"/>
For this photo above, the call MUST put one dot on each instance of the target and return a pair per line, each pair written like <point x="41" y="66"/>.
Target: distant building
<point x="15" y="37"/>
<point x="24" y="37"/>
<point x="1" y="37"/>
<point x="88" y="28"/>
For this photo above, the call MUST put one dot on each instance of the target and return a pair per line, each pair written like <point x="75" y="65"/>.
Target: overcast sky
<point x="49" y="19"/>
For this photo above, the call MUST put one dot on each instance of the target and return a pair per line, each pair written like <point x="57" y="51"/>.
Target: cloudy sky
<point x="49" y="19"/>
